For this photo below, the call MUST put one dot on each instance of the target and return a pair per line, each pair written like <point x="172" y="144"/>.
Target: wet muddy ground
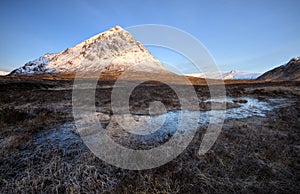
<point x="257" y="150"/>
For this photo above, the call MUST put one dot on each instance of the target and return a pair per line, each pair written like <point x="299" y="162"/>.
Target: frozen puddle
<point x="63" y="137"/>
<point x="253" y="107"/>
<point x="171" y="120"/>
<point x="148" y="130"/>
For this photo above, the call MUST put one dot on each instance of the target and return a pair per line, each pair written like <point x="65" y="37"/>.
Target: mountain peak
<point x="234" y="71"/>
<point x="294" y="60"/>
<point x="112" y="50"/>
<point x="110" y="32"/>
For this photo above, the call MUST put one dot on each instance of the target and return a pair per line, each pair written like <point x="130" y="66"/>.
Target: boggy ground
<point x="41" y="152"/>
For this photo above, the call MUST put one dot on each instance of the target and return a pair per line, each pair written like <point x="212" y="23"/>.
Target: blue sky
<point x="254" y="35"/>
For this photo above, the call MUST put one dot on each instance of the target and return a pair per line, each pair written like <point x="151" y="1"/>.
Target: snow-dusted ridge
<point x="288" y="71"/>
<point x="114" y="49"/>
<point x="233" y="75"/>
<point x="2" y="73"/>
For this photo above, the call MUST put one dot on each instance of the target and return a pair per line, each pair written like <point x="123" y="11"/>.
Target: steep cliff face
<point x="114" y="49"/>
<point x="289" y="71"/>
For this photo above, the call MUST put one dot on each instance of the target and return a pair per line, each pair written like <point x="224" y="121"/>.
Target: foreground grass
<point x="252" y="155"/>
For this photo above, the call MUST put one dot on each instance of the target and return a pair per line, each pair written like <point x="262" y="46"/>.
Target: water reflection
<point x="157" y="129"/>
<point x="253" y="107"/>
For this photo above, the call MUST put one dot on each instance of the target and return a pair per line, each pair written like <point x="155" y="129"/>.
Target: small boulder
<point x="262" y="98"/>
<point x="241" y="101"/>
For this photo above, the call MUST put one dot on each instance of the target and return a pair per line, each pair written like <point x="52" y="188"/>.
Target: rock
<point x="241" y="101"/>
<point x="260" y="162"/>
<point x="261" y="98"/>
<point x="232" y="105"/>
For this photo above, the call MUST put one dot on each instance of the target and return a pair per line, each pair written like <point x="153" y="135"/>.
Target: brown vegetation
<point x="252" y="155"/>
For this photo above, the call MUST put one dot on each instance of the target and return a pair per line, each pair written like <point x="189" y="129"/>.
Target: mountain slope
<point x="113" y="50"/>
<point x="289" y="71"/>
<point x="231" y="75"/>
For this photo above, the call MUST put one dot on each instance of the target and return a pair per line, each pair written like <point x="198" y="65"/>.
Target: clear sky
<point x="252" y="35"/>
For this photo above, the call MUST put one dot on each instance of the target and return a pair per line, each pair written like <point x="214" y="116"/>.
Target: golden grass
<point x="169" y="78"/>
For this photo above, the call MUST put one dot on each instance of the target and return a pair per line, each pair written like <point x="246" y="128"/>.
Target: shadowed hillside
<point x="289" y="71"/>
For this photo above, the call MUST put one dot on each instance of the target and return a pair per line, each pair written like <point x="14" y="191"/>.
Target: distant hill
<point x="230" y="75"/>
<point x="289" y="71"/>
<point x="3" y="73"/>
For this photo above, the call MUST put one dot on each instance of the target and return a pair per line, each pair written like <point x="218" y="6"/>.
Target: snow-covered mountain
<point x="3" y="73"/>
<point x="235" y="75"/>
<point x="114" y="49"/>
<point x="238" y="75"/>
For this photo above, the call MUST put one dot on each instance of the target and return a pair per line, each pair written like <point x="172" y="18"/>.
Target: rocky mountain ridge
<point x="289" y="71"/>
<point x="113" y="50"/>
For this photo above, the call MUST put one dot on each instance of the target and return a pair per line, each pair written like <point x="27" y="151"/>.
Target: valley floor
<point x="42" y="152"/>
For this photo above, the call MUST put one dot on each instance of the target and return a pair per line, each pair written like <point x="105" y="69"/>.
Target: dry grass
<point x="252" y="155"/>
<point x="235" y="164"/>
